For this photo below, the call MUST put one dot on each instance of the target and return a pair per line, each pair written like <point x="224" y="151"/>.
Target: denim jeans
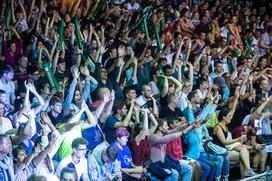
<point x="218" y="159"/>
<point x="222" y="165"/>
<point x="207" y="169"/>
<point x="186" y="170"/>
<point x="173" y="177"/>
<point x="226" y="166"/>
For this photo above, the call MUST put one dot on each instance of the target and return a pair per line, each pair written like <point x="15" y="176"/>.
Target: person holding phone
<point x="248" y="132"/>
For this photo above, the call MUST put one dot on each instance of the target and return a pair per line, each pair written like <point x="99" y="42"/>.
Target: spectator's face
<point x="23" y="62"/>
<point x="67" y="18"/>
<point x="94" y="44"/>
<point x="131" y="94"/>
<point x="105" y="158"/>
<point x="228" y="118"/>
<point x="21" y="156"/>
<point x="148" y="53"/>
<point x="124" y="111"/>
<point x="164" y="128"/>
<point x="19" y="17"/>
<point x="265" y="86"/>
<point x="263" y="62"/>
<point x="103" y="74"/>
<point x="80" y="151"/>
<point x="9" y="76"/>
<point x="186" y="87"/>
<point x="13" y="48"/>
<point x="219" y="68"/>
<point x="176" y="100"/>
<point x="168" y="72"/>
<point x="46" y="89"/>
<point x="197" y="99"/>
<point x="204" y="85"/>
<point x="234" y="20"/>
<point x="204" y="20"/>
<point x="172" y="88"/>
<point x="5" y="148"/>
<point x="113" y="53"/>
<point x="57" y="108"/>
<point x="147" y="92"/>
<point x="68" y="177"/>
<point x="77" y="97"/>
<point x="123" y="140"/>
<point x="61" y="67"/>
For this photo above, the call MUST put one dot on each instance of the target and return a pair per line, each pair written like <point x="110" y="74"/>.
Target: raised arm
<point x="41" y="101"/>
<point x="125" y="122"/>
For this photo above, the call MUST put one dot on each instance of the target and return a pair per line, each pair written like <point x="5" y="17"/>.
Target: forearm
<point x="41" y="156"/>
<point x="128" y="117"/>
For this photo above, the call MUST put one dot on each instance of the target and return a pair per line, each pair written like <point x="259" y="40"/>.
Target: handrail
<point x="265" y="174"/>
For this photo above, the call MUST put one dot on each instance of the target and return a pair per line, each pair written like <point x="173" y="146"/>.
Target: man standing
<point x="6" y="83"/>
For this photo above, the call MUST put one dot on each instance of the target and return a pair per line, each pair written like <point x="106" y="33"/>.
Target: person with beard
<point x="259" y="158"/>
<point x="6" y="83"/>
<point x="120" y="118"/>
<point x="6" y="162"/>
<point x="158" y="143"/>
<point x="171" y="109"/>
<point x="192" y="139"/>
<point x="146" y="100"/>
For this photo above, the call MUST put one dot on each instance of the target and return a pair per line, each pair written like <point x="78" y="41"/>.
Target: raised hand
<point x="45" y="118"/>
<point x="121" y="51"/>
<point x="30" y="87"/>
<point x="84" y="70"/>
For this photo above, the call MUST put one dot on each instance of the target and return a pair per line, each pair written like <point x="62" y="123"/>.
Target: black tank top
<point x="215" y="138"/>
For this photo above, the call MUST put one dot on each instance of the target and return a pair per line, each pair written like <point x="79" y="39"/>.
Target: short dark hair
<point x="54" y="100"/>
<point x="6" y="69"/>
<point x="111" y="153"/>
<point x="191" y="95"/>
<point x="117" y="106"/>
<point x="68" y="170"/>
<point x="164" y="68"/>
<point x="79" y="141"/>
<point x="170" y="97"/>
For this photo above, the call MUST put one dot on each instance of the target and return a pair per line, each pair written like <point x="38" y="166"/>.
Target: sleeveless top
<point x="215" y="138"/>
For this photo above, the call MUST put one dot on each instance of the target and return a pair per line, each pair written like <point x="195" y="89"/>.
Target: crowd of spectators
<point x="135" y="89"/>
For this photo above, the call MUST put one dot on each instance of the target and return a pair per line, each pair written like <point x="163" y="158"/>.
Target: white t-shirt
<point x="5" y="125"/>
<point x="9" y="88"/>
<point x="80" y="167"/>
<point x="183" y="103"/>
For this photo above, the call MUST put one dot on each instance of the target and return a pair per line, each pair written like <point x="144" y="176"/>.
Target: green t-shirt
<point x="65" y="148"/>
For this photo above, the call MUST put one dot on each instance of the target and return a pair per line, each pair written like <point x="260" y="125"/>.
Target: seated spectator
<point x="102" y="163"/>
<point x="129" y="171"/>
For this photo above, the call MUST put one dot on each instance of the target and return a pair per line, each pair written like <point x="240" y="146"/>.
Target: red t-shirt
<point x="174" y="149"/>
<point x="141" y="152"/>
<point x="237" y="132"/>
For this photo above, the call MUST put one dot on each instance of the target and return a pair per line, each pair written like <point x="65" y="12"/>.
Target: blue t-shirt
<point x="93" y="135"/>
<point x="109" y="129"/>
<point x="124" y="156"/>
